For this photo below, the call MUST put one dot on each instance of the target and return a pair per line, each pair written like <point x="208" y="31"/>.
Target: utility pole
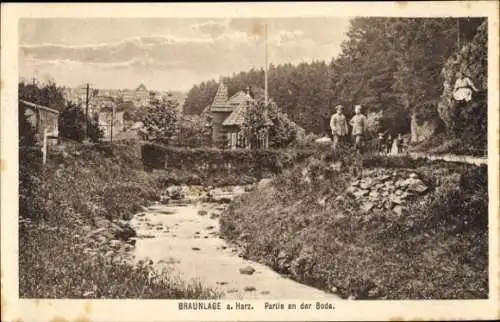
<point x="87" y="112"/>
<point x="265" y="68"/>
<point x="112" y="122"/>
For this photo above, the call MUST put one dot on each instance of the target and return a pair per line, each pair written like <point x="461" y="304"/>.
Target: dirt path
<point x="452" y="158"/>
<point x="189" y="242"/>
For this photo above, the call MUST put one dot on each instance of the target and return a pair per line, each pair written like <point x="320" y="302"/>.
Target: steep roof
<point x="237" y="117"/>
<point x="220" y="99"/>
<point x="238" y="98"/>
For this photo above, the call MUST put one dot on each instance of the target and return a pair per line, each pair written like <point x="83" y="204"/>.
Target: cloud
<point x="189" y="50"/>
<point x="211" y="28"/>
<point x="232" y="50"/>
<point x="289" y="37"/>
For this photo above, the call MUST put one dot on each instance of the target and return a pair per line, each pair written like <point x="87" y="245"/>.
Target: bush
<point x="153" y="156"/>
<point x="215" y="162"/>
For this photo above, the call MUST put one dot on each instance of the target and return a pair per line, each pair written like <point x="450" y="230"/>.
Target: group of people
<point x="462" y="93"/>
<point x="385" y="144"/>
<point x="340" y="129"/>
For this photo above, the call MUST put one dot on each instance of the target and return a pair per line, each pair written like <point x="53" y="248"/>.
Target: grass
<point x="442" y="143"/>
<point x="59" y="205"/>
<point x="436" y="250"/>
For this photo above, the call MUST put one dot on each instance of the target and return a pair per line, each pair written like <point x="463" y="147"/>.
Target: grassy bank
<point x="63" y="202"/>
<point x="441" y="144"/>
<point x="436" y="249"/>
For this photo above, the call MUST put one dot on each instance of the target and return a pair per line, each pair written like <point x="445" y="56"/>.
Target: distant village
<point x="104" y="105"/>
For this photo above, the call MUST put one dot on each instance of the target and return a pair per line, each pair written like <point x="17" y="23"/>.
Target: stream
<point x="185" y="237"/>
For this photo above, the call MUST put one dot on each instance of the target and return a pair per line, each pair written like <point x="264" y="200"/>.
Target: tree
<point x="162" y="118"/>
<point x="254" y="123"/>
<point x="49" y="95"/>
<point x="283" y="131"/>
<point x="72" y="125"/>
<point x="27" y="134"/>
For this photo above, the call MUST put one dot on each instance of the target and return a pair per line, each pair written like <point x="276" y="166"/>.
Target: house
<point x="227" y="116"/>
<point x="41" y="118"/>
<point x="111" y="123"/>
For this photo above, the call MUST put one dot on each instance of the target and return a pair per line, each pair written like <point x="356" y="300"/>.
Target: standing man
<point x="338" y="125"/>
<point x="358" y="123"/>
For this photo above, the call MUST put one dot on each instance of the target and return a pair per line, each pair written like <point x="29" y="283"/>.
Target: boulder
<point x="264" y="182"/>
<point x="247" y="270"/>
<point x="415" y="185"/>
<point x="396" y="199"/>
<point x="367" y="206"/>
<point x="384" y="177"/>
<point x="175" y="192"/>
<point x="398" y="210"/>
<point x="361" y="193"/>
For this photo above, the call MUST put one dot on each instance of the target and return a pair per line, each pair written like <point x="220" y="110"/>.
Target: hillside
<point x="405" y="86"/>
<point x="74" y="238"/>
<point x="400" y="229"/>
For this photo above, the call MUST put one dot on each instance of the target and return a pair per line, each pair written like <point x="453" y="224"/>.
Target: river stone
<point x="209" y="227"/>
<point x="202" y="212"/>
<point x="248" y="270"/>
<point x="367" y="206"/>
<point x="415" y="185"/>
<point x="249" y="289"/>
<point x="195" y="248"/>
<point x="398" y="210"/>
<point x="384" y="177"/>
<point x="396" y="199"/>
<point x="233" y="290"/>
<point x="413" y="176"/>
<point x="265" y="292"/>
<point x="222" y="283"/>
<point x="361" y="193"/>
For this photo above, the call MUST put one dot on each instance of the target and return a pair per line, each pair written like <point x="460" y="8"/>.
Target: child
<point x="380" y="143"/>
<point x="388" y="144"/>
<point x="400" y="143"/>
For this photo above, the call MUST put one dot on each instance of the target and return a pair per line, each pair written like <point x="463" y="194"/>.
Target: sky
<point x="166" y="54"/>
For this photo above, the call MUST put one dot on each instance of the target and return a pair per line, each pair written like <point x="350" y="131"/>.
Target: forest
<point x="396" y="68"/>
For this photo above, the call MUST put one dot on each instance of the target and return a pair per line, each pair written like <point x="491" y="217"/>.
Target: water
<point x="179" y="237"/>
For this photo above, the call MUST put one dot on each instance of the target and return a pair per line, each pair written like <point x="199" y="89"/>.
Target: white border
<point x="160" y="310"/>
